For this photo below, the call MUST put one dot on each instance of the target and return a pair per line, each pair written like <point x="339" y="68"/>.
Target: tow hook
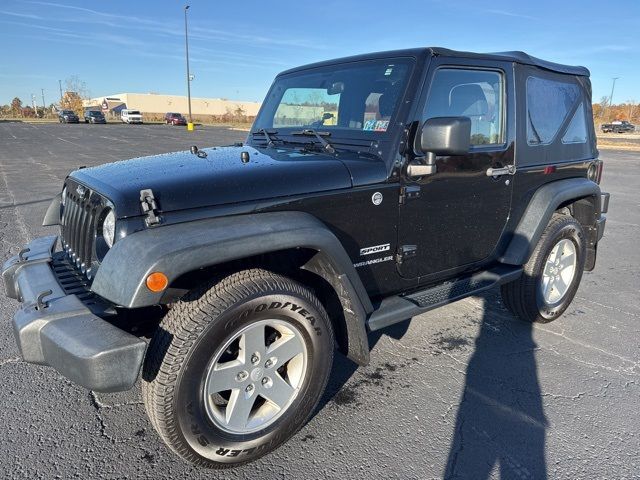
<point x="21" y="255"/>
<point x="40" y="304"/>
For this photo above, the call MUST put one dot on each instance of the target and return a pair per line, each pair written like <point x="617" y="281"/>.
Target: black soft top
<point x="517" y="57"/>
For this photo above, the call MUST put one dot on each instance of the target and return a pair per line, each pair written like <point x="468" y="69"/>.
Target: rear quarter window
<point x="549" y="105"/>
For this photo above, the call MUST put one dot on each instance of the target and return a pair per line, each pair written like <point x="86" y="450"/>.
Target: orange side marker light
<point x="157" y="282"/>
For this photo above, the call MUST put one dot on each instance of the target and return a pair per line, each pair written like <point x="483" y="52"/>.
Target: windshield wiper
<point x="267" y="135"/>
<point x="312" y="133"/>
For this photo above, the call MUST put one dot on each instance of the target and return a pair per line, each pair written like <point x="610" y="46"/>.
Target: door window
<point x="476" y="94"/>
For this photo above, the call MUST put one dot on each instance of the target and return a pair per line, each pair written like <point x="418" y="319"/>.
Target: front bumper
<point x="56" y="328"/>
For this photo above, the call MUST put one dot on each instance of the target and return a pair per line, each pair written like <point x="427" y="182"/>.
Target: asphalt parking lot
<point x="460" y="392"/>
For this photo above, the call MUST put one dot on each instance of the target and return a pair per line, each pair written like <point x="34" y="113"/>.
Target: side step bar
<point x="398" y="308"/>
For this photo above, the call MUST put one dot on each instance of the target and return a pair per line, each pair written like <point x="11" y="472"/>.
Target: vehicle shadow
<point x="343" y="368"/>
<point x="500" y="421"/>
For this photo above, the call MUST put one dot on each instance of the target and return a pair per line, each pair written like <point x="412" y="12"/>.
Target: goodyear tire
<point x="551" y="276"/>
<point x="237" y="367"/>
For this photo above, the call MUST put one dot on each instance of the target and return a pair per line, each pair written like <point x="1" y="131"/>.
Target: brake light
<point x="594" y="173"/>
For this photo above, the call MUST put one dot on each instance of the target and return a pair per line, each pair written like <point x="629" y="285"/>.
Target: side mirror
<point x="445" y="136"/>
<point x="442" y="136"/>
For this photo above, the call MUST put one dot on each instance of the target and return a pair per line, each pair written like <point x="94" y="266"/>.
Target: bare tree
<point x="75" y="92"/>
<point x="75" y="84"/>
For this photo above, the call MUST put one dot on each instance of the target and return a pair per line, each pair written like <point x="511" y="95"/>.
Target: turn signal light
<point x="157" y="282"/>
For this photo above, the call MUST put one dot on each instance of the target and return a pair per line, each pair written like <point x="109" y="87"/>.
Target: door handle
<point x="496" y="172"/>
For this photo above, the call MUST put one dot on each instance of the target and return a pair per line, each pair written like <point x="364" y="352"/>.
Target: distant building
<point x="152" y="103"/>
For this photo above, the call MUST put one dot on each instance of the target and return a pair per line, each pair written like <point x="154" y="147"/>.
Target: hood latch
<point x="149" y="207"/>
<point x="200" y="153"/>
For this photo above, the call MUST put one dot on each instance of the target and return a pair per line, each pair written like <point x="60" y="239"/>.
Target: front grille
<point x="74" y="283"/>
<point x="78" y="228"/>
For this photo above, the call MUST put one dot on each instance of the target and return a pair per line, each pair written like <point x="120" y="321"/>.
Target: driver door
<point x="456" y="216"/>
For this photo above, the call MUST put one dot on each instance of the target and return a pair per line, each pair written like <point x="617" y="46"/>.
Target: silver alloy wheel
<point x="559" y="271"/>
<point x="255" y="376"/>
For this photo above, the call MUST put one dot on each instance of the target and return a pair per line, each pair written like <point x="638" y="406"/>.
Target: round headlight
<point x="109" y="228"/>
<point x="64" y="196"/>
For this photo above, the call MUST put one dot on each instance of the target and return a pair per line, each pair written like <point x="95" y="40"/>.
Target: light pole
<point x="186" y="45"/>
<point x="44" y="105"/>
<point x="611" y="96"/>
<point x="613" y="86"/>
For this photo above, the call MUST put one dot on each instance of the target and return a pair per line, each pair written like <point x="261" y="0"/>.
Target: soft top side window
<point x="549" y="103"/>
<point x="577" y="129"/>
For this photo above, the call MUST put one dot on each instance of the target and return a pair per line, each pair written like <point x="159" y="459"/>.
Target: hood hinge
<point x="149" y="207"/>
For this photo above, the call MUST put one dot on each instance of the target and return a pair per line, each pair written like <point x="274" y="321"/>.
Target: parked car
<point x="438" y="175"/>
<point x="68" y="116"/>
<point x="174" y="119"/>
<point x="94" y="116"/>
<point x="618" y="127"/>
<point x="131" y="116"/>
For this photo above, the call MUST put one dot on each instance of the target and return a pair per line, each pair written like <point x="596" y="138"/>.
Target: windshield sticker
<point x="376" y="125"/>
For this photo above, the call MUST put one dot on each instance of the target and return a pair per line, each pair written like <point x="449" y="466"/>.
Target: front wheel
<point x="237" y="367"/>
<point x="551" y="276"/>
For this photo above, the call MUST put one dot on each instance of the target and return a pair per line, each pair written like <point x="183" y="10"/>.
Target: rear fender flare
<point x="542" y="206"/>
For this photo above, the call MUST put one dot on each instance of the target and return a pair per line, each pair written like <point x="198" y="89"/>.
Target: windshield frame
<point x="339" y="135"/>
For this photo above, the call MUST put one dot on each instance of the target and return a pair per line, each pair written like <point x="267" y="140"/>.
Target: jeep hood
<point x="183" y="180"/>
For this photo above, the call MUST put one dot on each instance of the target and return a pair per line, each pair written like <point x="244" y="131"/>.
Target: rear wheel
<point x="237" y="367"/>
<point x="551" y="276"/>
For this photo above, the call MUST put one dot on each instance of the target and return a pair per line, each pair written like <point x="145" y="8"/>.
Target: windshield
<point x="68" y="112"/>
<point x="133" y="112"/>
<point x="95" y="114"/>
<point x="343" y="99"/>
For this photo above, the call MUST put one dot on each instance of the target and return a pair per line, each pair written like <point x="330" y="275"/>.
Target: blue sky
<point x="237" y="47"/>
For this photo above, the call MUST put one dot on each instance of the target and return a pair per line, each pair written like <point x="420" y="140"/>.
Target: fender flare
<point x="52" y="215"/>
<point x="541" y="207"/>
<point x="180" y="248"/>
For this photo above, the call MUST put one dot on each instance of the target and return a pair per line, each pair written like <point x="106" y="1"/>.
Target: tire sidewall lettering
<point x="289" y="307"/>
<point x="195" y="426"/>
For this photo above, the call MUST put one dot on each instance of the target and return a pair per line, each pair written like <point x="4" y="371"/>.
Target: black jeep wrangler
<point x="370" y="189"/>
